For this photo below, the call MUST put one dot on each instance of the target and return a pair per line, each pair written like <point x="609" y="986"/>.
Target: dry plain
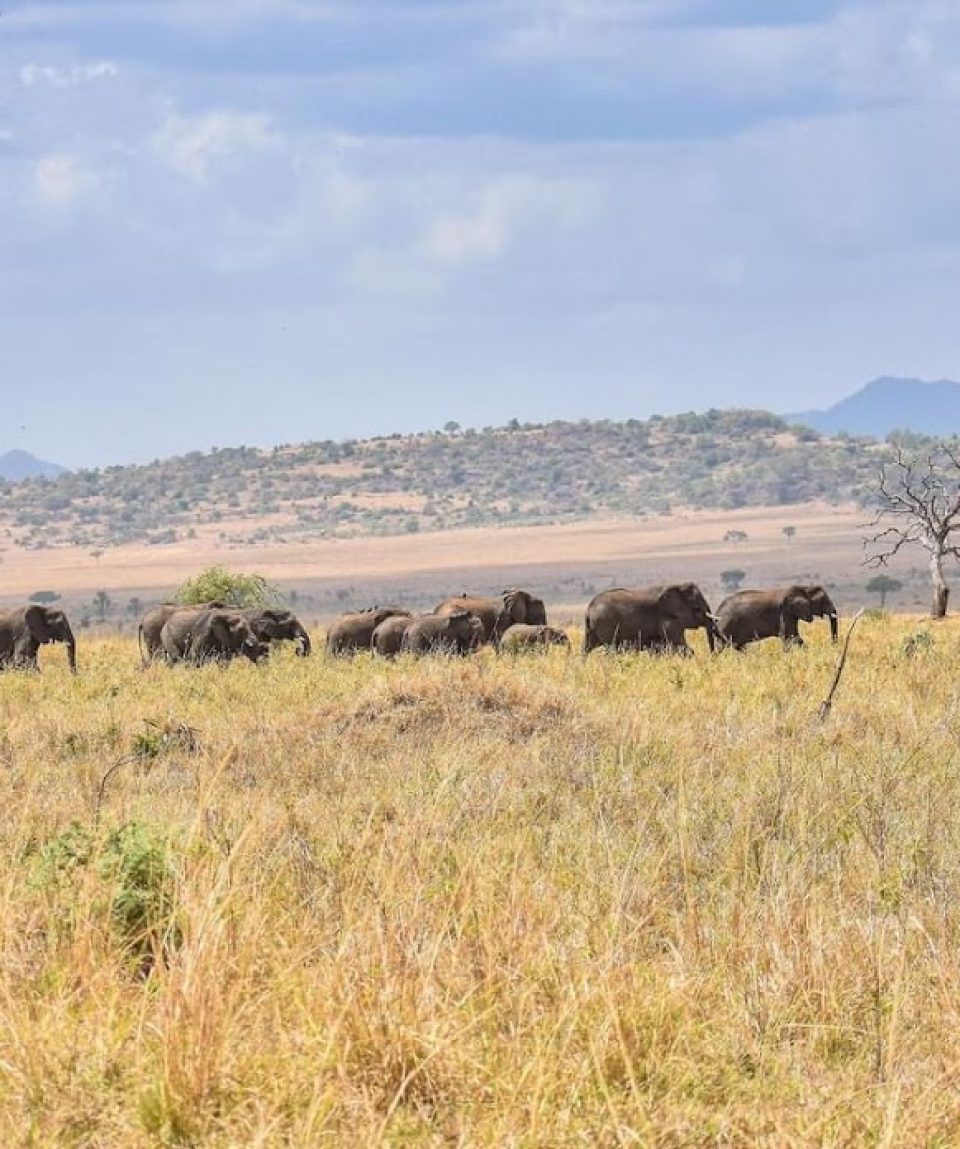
<point x="566" y="562"/>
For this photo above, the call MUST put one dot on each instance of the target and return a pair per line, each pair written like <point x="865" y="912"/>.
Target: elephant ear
<point x="36" y="619"/>
<point x="515" y="604"/>
<point x="672" y="600"/>
<point x="820" y="600"/>
<point x="219" y="628"/>
<point x="798" y="604"/>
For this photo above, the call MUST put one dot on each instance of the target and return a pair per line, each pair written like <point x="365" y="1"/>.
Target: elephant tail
<point x="589" y="637"/>
<point x="143" y="658"/>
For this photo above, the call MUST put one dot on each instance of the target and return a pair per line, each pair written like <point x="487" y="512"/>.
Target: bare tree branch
<point x="918" y="504"/>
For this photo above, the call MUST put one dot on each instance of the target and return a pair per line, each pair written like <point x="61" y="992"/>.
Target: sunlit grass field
<point x="491" y="902"/>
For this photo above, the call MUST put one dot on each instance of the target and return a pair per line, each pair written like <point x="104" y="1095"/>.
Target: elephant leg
<point x="790" y="634"/>
<point x="25" y="656"/>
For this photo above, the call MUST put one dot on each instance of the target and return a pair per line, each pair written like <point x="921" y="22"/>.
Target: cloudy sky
<point x="261" y="221"/>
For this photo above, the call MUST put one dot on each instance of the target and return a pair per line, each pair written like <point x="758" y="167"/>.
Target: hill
<point x="18" y="465"/>
<point x="513" y="475"/>
<point x="889" y="404"/>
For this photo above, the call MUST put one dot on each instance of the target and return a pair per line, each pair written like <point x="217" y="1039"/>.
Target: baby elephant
<point x="388" y="637"/>
<point x="525" y="636"/>
<point x="456" y="633"/>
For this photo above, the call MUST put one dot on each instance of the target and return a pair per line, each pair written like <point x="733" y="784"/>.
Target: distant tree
<point x="735" y="536"/>
<point x="451" y="427"/>
<point x="233" y="587"/>
<point x="918" y="504"/>
<point x="790" y="532"/>
<point x="101" y="604"/>
<point x="732" y="579"/>
<point x="96" y="555"/>
<point x="883" y="585"/>
<point x="135" y="607"/>
<point x="44" y="597"/>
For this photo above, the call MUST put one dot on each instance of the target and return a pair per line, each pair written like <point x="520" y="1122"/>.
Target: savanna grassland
<point x="490" y="902"/>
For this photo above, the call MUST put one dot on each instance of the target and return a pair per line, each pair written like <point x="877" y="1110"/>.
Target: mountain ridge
<point x="890" y="403"/>
<point x="17" y="465"/>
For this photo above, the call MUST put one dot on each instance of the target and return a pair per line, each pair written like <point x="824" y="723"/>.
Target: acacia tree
<point x="883" y="585"/>
<point x="918" y="504"/>
<point x="732" y="579"/>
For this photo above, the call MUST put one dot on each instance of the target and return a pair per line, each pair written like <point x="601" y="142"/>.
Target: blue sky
<point x="261" y="221"/>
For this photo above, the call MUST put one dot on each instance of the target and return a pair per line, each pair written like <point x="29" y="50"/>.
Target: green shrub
<point x="134" y="863"/>
<point x="217" y="584"/>
<point x="917" y="643"/>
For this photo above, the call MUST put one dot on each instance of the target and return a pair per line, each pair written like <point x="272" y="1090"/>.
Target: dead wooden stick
<point x="828" y="701"/>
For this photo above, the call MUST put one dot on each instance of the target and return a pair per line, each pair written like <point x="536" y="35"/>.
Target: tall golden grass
<point x="492" y="902"/>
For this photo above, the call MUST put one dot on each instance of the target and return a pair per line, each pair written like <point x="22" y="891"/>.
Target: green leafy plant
<point x="134" y="863"/>
<point x="917" y="643"/>
<point x="217" y="584"/>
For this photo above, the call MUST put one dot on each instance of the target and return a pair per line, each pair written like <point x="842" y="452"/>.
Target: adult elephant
<point x="751" y="615"/>
<point x="24" y="630"/>
<point x="353" y="631"/>
<point x="210" y="635"/>
<point x="388" y="636"/>
<point x="524" y="636"/>
<point x="273" y="624"/>
<point x="152" y="624"/>
<point x="653" y="618"/>
<point x="498" y="613"/>
<point x="455" y="633"/>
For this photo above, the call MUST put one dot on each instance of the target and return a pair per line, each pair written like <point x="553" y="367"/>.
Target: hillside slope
<point x="512" y="475"/>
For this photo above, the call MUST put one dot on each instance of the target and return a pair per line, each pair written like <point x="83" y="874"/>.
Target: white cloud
<point x="62" y="178"/>
<point x="189" y="144"/>
<point x="503" y="209"/>
<point x="33" y="75"/>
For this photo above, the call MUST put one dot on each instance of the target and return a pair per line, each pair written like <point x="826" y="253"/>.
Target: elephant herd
<point x="653" y="619"/>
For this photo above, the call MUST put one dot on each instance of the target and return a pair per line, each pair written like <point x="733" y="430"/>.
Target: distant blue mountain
<point x="17" y="465"/>
<point x="889" y="404"/>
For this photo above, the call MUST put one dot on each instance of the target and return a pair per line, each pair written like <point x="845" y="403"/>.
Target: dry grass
<point x="627" y="901"/>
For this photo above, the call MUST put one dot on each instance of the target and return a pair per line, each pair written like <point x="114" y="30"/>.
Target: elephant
<point x="24" y="630"/>
<point x="273" y="624"/>
<point x="388" y="636"/>
<point x="750" y="615"/>
<point x="152" y="623"/>
<point x="455" y="633"/>
<point x="353" y="631"/>
<point x="496" y="614"/>
<point x="207" y="635"/>
<point x="651" y="618"/>
<point x="524" y="636"/>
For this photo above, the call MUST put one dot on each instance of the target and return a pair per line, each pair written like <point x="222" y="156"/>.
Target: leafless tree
<point x="918" y="503"/>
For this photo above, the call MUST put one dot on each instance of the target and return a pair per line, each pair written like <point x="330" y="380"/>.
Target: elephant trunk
<point x="714" y="640"/>
<point x="834" y="627"/>
<point x="303" y="642"/>
<point x="72" y="654"/>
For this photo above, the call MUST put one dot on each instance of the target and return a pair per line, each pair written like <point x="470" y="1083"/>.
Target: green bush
<point x="217" y="584"/>
<point x="135" y="865"/>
